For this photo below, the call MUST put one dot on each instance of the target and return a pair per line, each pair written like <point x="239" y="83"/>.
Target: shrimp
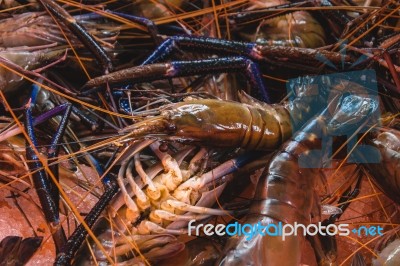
<point x="298" y="29"/>
<point x="27" y="40"/>
<point x="32" y="29"/>
<point x="388" y="249"/>
<point x="32" y="39"/>
<point x="287" y="193"/>
<point x="240" y="125"/>
<point x="386" y="174"/>
<point x="9" y="81"/>
<point x="252" y="125"/>
<point x="221" y="124"/>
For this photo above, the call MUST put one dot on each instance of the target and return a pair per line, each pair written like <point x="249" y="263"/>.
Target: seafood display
<point x="199" y="132"/>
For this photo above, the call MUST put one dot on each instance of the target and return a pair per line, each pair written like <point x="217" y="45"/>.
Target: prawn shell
<point x="28" y="60"/>
<point x="230" y="124"/>
<point x="386" y="174"/>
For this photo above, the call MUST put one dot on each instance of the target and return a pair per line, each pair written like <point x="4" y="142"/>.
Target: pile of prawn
<point x="201" y="148"/>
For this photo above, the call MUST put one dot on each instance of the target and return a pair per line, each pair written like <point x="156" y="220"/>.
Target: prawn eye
<point x="171" y="128"/>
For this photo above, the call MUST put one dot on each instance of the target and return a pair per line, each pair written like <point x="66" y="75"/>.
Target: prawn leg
<point x="325" y="247"/>
<point x="149" y="24"/>
<point x="76" y="239"/>
<point x="45" y="188"/>
<point x="386" y="174"/>
<point x="48" y="192"/>
<point x="146" y="73"/>
<point x="251" y="50"/>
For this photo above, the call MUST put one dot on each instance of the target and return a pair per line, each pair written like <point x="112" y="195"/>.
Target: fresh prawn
<point x="31" y="40"/>
<point x="386" y="174"/>
<point x="298" y="29"/>
<point x="287" y="193"/>
<point x="255" y="125"/>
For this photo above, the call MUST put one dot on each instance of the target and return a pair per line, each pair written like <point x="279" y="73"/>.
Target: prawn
<point x="31" y="39"/>
<point x="386" y="174"/>
<point x="298" y="29"/>
<point x="287" y="192"/>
